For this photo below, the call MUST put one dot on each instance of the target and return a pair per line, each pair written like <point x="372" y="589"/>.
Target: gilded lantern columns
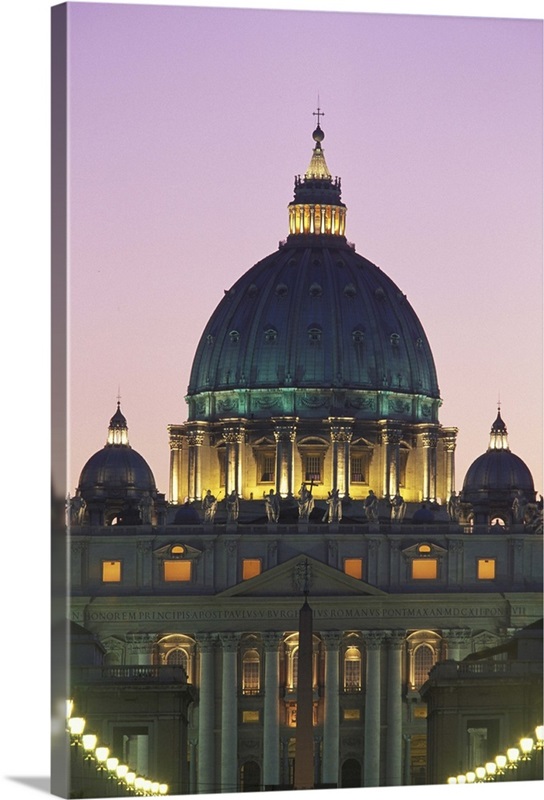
<point x="284" y="434"/>
<point x="341" y="435"/>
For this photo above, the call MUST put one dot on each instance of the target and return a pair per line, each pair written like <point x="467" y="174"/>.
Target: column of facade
<point x="229" y="713"/>
<point x="430" y="441"/>
<point x="234" y="436"/>
<point x="341" y="435"/>
<point x="373" y="640"/>
<point x="206" y="704"/>
<point x="140" y="647"/>
<point x="456" y="638"/>
<point x="271" y="721"/>
<point x="450" y="442"/>
<point x="195" y="439"/>
<point x="331" y="724"/>
<point x="176" y="456"/>
<point x="284" y="434"/>
<point x="395" y="643"/>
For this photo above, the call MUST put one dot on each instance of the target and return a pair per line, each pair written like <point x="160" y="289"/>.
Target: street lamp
<point x="76" y="726"/>
<point x="480" y="774"/>
<point x="89" y="743"/>
<point x="512" y="754"/>
<point x="491" y="769"/>
<point x="101" y="754"/>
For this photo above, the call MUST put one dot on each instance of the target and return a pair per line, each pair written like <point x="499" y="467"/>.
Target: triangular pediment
<point x="287" y="580"/>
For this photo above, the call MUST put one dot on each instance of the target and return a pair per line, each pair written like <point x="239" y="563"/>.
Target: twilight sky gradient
<point x="187" y="126"/>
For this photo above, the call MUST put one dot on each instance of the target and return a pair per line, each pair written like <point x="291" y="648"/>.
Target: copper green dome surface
<point x="314" y="317"/>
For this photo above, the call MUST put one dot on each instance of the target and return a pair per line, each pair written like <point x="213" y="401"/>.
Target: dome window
<point x="314" y="334"/>
<point x="316" y="262"/>
<point x="281" y="290"/>
<point x="340" y="263"/>
<point x="419" y="343"/>
<point x="234" y="336"/>
<point x="379" y="293"/>
<point x="253" y="290"/>
<point x="315" y="290"/>
<point x="395" y="339"/>
<point x="358" y="336"/>
<point x="210" y="340"/>
<point x="350" y="290"/>
<point x="270" y="335"/>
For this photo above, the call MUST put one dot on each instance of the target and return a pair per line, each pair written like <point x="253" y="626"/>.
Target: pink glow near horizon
<point x="187" y="126"/>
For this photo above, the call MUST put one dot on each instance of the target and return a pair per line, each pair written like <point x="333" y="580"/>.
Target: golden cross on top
<point x="318" y="114"/>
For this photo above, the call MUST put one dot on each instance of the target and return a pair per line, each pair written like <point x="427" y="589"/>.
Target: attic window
<point x="177" y="571"/>
<point x="424" y="569"/>
<point x="177" y="550"/>
<point x="111" y="572"/>
<point x="424" y="549"/>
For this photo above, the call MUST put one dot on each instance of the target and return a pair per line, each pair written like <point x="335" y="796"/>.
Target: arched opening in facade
<point x="351" y="774"/>
<point x="250" y="777"/>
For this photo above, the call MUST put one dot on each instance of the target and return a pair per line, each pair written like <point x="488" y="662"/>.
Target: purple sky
<point x="187" y="126"/>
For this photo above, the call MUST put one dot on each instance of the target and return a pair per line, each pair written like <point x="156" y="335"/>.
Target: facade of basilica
<point x="312" y="467"/>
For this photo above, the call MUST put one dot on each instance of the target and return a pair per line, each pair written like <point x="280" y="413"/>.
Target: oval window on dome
<point x="234" y="336"/>
<point x="270" y="335"/>
<point x="349" y="290"/>
<point x="281" y="290"/>
<point x="395" y="339"/>
<point x="315" y="290"/>
<point x="314" y="334"/>
<point x="358" y="336"/>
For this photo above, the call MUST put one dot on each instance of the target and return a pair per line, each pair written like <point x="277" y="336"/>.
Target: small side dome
<point x="116" y="484"/>
<point x="423" y="516"/>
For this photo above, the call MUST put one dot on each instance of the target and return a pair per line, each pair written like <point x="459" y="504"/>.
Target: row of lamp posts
<point x="110" y="778"/>
<point x="520" y="763"/>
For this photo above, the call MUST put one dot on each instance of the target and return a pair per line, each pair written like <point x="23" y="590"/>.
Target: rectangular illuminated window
<point x="354" y="567"/>
<point x="250" y="716"/>
<point x="313" y="469"/>
<point x="424" y="569"/>
<point x="177" y="570"/>
<point x="352" y="714"/>
<point x="111" y="572"/>
<point x="486" y="569"/>
<point x="268" y="468"/>
<point x="251" y="567"/>
<point x="357" y="469"/>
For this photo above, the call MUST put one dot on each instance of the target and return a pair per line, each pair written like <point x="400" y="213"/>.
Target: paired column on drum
<point x="450" y="441"/>
<point x="391" y="439"/>
<point x="195" y="440"/>
<point x="234" y="436"/>
<point x="430" y="442"/>
<point x="373" y="641"/>
<point x="271" y="721"/>
<point x="175" y="488"/>
<point x="229" y="713"/>
<point x="206" y="721"/>
<point x="341" y="434"/>
<point x="395" y="642"/>
<point x="284" y="434"/>
<point x="331" y="724"/>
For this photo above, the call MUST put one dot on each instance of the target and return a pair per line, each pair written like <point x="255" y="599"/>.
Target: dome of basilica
<point x="117" y="477"/>
<point x="314" y="315"/>
<point x="498" y="470"/>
